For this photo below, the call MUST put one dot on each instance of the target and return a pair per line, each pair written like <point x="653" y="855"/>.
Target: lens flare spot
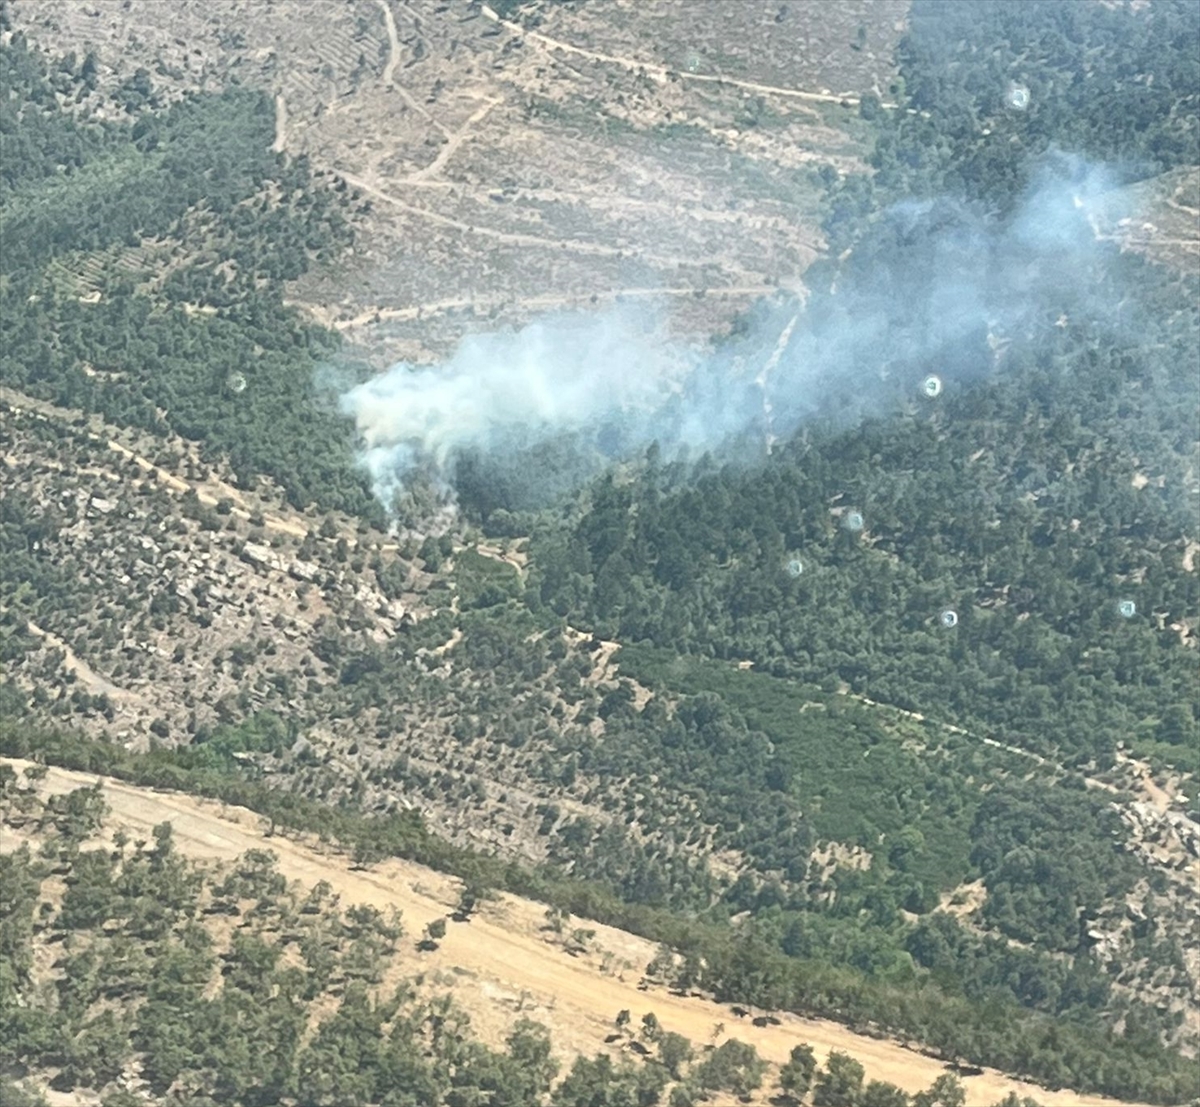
<point x="1017" y="96"/>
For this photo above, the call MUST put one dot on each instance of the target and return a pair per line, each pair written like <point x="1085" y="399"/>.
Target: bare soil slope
<point x="594" y="150"/>
<point x="1166" y="227"/>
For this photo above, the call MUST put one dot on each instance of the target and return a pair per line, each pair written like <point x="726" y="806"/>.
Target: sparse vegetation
<point x="153" y="996"/>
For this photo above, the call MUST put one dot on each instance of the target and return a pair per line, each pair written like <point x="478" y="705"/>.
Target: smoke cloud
<point x="947" y="287"/>
<point x="509" y="390"/>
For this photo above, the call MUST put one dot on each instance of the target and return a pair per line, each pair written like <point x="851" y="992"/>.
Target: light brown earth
<point x="92" y="680"/>
<point x="209" y="491"/>
<point x="506" y="957"/>
<point x="1159" y="217"/>
<point x="616" y="148"/>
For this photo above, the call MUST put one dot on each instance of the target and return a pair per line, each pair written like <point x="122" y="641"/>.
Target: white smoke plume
<point x="614" y="383"/>
<point x="564" y="373"/>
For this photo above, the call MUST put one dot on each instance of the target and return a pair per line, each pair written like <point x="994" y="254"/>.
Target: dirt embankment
<point x="504" y="951"/>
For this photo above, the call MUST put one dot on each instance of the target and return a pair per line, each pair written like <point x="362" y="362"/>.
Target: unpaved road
<point x="544" y="303"/>
<point x="515" y="238"/>
<point x="762" y="378"/>
<point x="451" y="147"/>
<point x="659" y="72"/>
<point x="1151" y="792"/>
<point x="280" y="143"/>
<point x="92" y="680"/>
<point x="993" y="742"/>
<point x="389" y="70"/>
<point x="502" y="952"/>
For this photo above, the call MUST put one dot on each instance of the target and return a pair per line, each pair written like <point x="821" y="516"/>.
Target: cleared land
<point x="506" y="169"/>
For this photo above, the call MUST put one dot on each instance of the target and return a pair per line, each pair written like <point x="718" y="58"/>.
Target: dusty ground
<point x="503" y="958"/>
<point x="616" y="149"/>
<point x="1166" y="226"/>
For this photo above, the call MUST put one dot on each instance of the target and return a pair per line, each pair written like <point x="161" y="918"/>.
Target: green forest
<point x="1011" y="502"/>
<point x="144" y="264"/>
<point x="974" y="1003"/>
<point x="1104" y="81"/>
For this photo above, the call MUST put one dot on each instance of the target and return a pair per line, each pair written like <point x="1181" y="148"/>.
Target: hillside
<point x="205" y="587"/>
<point x="550" y="176"/>
<point x="853" y="686"/>
<point x="505" y="959"/>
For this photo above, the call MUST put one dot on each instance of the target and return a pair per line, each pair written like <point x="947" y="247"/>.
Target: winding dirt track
<point x="451" y="147"/>
<point x="501" y="949"/>
<point x="662" y="73"/>
<point x="389" y="71"/>
<point x="389" y="23"/>
<point x="93" y="681"/>
<point x="280" y="143"/>
<point x="542" y="303"/>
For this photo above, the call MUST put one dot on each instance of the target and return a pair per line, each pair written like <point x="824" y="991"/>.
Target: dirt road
<point x="91" y="680"/>
<point x="514" y="238"/>
<point x="659" y="72"/>
<point x="389" y="71"/>
<point x="389" y="23"/>
<point x="503" y="952"/>
<point x="451" y="146"/>
<point x="280" y="143"/>
<point x="545" y="303"/>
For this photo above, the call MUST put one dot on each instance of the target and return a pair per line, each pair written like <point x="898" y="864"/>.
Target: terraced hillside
<point x="553" y="167"/>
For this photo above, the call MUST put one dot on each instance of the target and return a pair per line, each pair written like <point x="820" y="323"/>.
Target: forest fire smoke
<point x="614" y="384"/>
